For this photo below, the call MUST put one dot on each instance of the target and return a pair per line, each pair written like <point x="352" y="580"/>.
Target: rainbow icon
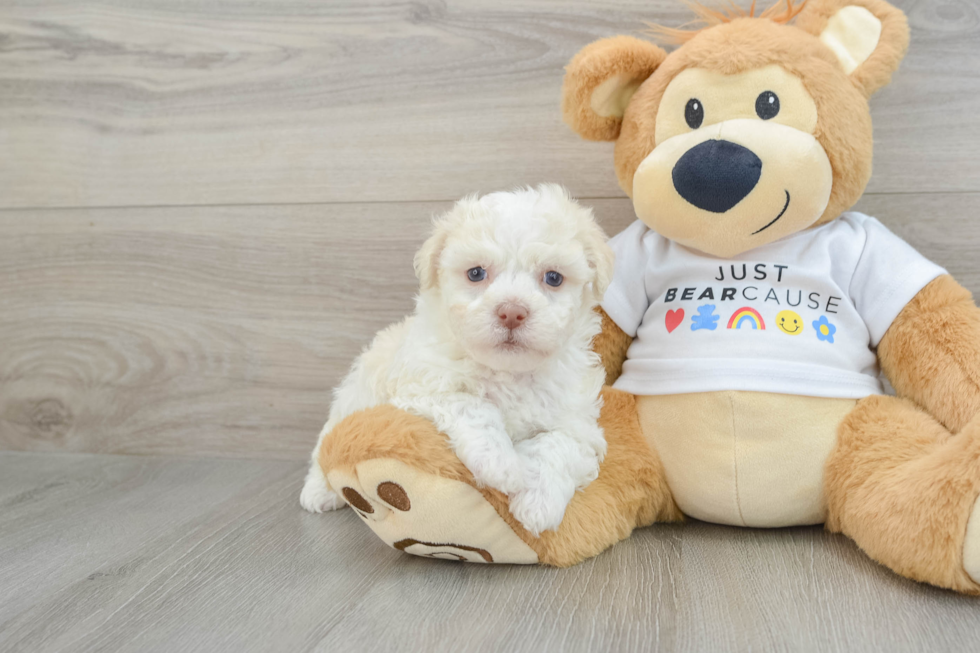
<point x="746" y="315"/>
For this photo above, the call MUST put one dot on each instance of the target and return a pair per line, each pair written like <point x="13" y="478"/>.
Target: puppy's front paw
<point x="499" y="472"/>
<point x="493" y="464"/>
<point x="317" y="497"/>
<point x="539" y="508"/>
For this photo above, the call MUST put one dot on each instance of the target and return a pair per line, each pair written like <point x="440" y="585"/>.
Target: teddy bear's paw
<point x="428" y="515"/>
<point x="971" y="545"/>
<point x="316" y="496"/>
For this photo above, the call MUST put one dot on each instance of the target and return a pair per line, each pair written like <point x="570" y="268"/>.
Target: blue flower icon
<point x="825" y="330"/>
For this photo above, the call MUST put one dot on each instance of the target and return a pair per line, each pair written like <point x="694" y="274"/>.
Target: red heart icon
<point x="674" y="319"/>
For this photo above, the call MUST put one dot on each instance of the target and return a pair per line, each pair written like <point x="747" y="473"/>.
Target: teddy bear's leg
<point x="398" y="473"/>
<point x="904" y="488"/>
<point x="630" y="492"/>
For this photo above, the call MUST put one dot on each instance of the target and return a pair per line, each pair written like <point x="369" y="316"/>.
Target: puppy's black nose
<point x="716" y="175"/>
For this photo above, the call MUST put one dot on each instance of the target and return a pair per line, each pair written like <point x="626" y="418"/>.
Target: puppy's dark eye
<point x="694" y="113"/>
<point x="476" y="274"/>
<point x="767" y="105"/>
<point x="553" y="279"/>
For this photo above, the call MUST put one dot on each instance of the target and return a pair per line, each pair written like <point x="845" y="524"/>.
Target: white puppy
<point x="498" y="353"/>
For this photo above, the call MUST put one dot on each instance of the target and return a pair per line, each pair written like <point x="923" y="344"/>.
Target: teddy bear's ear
<point x="868" y="37"/>
<point x="601" y="79"/>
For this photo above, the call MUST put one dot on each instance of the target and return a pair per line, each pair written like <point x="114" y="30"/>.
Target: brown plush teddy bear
<point x="746" y="323"/>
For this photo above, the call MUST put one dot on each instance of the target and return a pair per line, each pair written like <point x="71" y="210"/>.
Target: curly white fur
<point x="519" y="406"/>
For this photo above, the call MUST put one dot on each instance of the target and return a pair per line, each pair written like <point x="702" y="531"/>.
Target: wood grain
<point x="146" y="102"/>
<point x="108" y="553"/>
<point x="207" y="208"/>
<point x="221" y="330"/>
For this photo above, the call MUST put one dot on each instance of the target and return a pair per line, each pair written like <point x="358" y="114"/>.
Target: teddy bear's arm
<point x="611" y="344"/>
<point x="931" y="352"/>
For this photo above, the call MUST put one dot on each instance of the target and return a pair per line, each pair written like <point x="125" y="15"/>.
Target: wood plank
<point x="107" y="553"/>
<point x="147" y="102"/>
<point x="220" y="331"/>
<point x="122" y="327"/>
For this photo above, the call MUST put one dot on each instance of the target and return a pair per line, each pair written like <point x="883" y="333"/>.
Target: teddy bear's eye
<point x="767" y="105"/>
<point x="694" y="113"/>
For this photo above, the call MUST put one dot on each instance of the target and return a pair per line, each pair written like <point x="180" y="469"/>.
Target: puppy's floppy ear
<point x="600" y="257"/>
<point x="868" y="37"/>
<point x="427" y="258"/>
<point x="600" y="81"/>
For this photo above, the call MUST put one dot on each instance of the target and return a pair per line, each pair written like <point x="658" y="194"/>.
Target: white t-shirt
<point x="797" y="316"/>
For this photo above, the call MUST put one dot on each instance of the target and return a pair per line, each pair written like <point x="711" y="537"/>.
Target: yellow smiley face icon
<point x="789" y="322"/>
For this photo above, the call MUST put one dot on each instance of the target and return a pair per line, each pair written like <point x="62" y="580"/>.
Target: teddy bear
<point x="747" y="323"/>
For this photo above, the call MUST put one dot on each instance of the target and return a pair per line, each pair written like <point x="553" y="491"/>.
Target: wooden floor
<point x="123" y="553"/>
<point x="208" y="207"/>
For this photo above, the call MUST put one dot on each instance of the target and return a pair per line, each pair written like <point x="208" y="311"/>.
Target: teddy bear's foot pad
<point x="428" y="515"/>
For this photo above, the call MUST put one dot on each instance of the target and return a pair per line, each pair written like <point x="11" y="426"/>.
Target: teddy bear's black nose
<point x="716" y="175"/>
